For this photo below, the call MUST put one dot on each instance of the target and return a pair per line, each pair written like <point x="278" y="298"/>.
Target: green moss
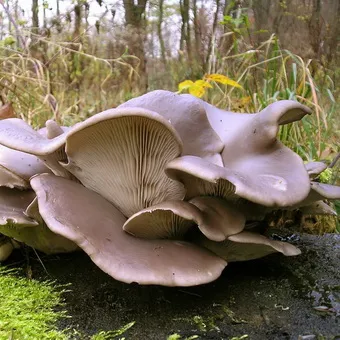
<point x="28" y="308"/>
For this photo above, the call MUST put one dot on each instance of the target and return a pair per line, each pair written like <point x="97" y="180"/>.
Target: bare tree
<point x="159" y="30"/>
<point x="135" y="25"/>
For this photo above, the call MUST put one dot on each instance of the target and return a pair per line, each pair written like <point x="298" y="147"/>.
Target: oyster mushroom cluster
<point x="162" y="190"/>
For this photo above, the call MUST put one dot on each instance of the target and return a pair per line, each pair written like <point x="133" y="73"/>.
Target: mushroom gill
<point x="122" y="154"/>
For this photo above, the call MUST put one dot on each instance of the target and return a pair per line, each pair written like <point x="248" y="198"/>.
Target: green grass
<point x="29" y="309"/>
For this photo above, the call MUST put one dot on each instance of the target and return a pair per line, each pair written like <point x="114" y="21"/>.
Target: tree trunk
<point x="35" y="16"/>
<point x="197" y="34"/>
<point x="185" y="29"/>
<point x="212" y="38"/>
<point x="135" y="25"/>
<point x="159" y="31"/>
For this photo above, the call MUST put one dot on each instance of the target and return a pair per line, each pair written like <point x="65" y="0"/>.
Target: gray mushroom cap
<point x="220" y="218"/>
<point x="6" y="247"/>
<point x="13" y="204"/>
<point x="247" y="246"/>
<point x="319" y="192"/>
<point x="52" y="129"/>
<point x="318" y="208"/>
<point x="18" y="223"/>
<point x="121" y="154"/>
<point x="21" y="164"/>
<point x="315" y="168"/>
<point x="166" y="220"/>
<point x="96" y="226"/>
<point x="214" y="217"/>
<point x="188" y="116"/>
<point x="269" y="188"/>
<point x="18" y="135"/>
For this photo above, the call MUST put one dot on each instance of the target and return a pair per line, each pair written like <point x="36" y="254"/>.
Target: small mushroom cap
<point x="315" y="168"/>
<point x="318" y="208"/>
<point x="188" y="116"/>
<point x="16" y="223"/>
<point x="11" y="180"/>
<point x="268" y="188"/>
<point x="18" y="135"/>
<point x="230" y="125"/>
<point x="319" y="192"/>
<point x="325" y="191"/>
<point x="220" y="218"/>
<point x="121" y="154"/>
<point x="96" y="226"/>
<point x="169" y="220"/>
<point x="247" y="246"/>
<point x="52" y="129"/>
<point x="6" y="248"/>
<point x="21" y="164"/>
<point x="13" y="204"/>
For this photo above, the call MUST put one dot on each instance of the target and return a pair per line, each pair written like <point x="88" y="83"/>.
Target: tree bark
<point x="185" y="29"/>
<point x="212" y="38"/>
<point x="35" y="16"/>
<point x="135" y="24"/>
<point x="159" y="31"/>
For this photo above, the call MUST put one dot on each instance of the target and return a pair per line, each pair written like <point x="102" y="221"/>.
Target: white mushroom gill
<point x="122" y="154"/>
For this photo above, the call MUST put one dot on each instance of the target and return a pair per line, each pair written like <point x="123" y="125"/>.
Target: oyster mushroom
<point x="314" y="169"/>
<point x="17" y="222"/>
<point x="19" y="166"/>
<point x="271" y="188"/>
<point x="188" y="116"/>
<point x="166" y="220"/>
<point x="221" y="219"/>
<point x="214" y="217"/>
<point x="121" y="154"/>
<point x="18" y="135"/>
<point x="246" y="246"/>
<point x="96" y="226"/>
<point x="6" y="248"/>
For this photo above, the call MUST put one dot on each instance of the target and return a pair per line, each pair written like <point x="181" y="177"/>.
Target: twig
<point x="334" y="161"/>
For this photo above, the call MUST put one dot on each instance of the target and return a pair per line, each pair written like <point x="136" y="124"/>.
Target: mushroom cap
<point x="220" y="218"/>
<point x="6" y="248"/>
<point x="168" y="220"/>
<point x="247" y="246"/>
<point x="253" y="151"/>
<point x="122" y="154"/>
<point x="17" y="223"/>
<point x="230" y="125"/>
<point x="318" y="208"/>
<point x="18" y="135"/>
<point x="96" y="226"/>
<point x="52" y="129"/>
<point x="315" y="168"/>
<point x="20" y="163"/>
<point x="268" y="188"/>
<point x="325" y="191"/>
<point x="188" y="116"/>
<point x="13" y="203"/>
<point x="11" y="180"/>
<point x="319" y="192"/>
